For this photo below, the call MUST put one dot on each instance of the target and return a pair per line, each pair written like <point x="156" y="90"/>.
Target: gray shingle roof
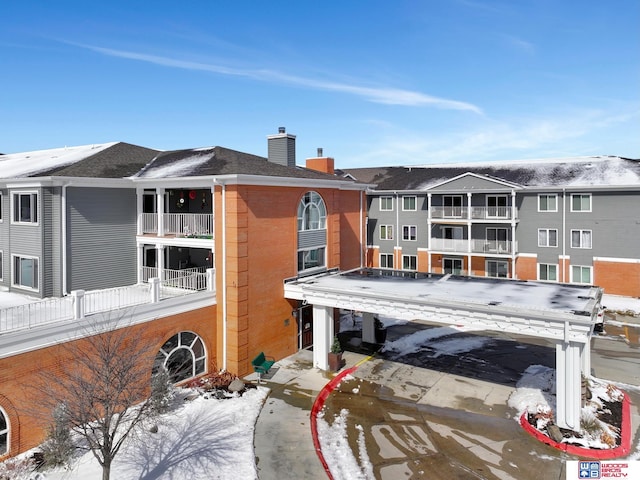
<point x="549" y="172"/>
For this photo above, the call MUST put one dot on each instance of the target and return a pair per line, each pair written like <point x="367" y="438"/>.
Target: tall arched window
<point x="312" y="213"/>
<point x="4" y="433"/>
<point x="183" y="356"/>
<point x="312" y="233"/>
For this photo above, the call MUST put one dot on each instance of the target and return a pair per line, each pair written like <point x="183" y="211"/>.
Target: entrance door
<point x="305" y="327"/>
<point x="452" y="266"/>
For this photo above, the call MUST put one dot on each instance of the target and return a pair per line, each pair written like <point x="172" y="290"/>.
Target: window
<point x="312" y="213"/>
<point x="25" y="272"/>
<point x="581" y="274"/>
<point x="183" y="356"/>
<point x="386" y="260"/>
<point x="452" y="206"/>
<point x="548" y="203"/>
<point x="1" y="265"/>
<point x="25" y="207"/>
<point x="313" y="258"/>
<point x="4" y="433"/>
<point x="496" y="241"/>
<point x="386" y="232"/>
<point x="580" y="202"/>
<point x="0" y="207"/>
<point x="580" y="238"/>
<point x="495" y="268"/>
<point x="547" y="237"/>
<point x="409" y="232"/>
<point x="547" y="271"/>
<point x="409" y="262"/>
<point x="409" y="203"/>
<point x="497" y="206"/>
<point x="386" y="204"/>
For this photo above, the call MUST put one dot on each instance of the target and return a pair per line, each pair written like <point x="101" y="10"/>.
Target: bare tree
<point x="103" y="386"/>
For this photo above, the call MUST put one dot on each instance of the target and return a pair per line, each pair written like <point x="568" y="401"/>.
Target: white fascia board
<point x="269" y="181"/>
<point x="175" y="182"/>
<point x="581" y="188"/>
<point x="68" y="181"/>
<point x="616" y="260"/>
<point x="497" y="181"/>
<point x="176" y="241"/>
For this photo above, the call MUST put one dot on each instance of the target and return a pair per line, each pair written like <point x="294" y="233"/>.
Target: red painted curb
<point x="622" y="450"/>
<point x="318" y="404"/>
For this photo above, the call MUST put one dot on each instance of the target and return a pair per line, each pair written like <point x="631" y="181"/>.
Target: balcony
<point x="185" y="225"/>
<point x="194" y="279"/>
<point x="477" y="213"/>
<point x="481" y="246"/>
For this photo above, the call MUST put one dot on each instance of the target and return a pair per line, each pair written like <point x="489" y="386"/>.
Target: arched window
<point x="183" y="356"/>
<point x="4" y="433"/>
<point x="312" y="213"/>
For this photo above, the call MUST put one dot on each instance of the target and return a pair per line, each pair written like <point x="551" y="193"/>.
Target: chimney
<point x="282" y="148"/>
<point x="320" y="163"/>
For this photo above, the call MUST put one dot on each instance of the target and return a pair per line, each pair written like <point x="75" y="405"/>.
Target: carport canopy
<point x="561" y="312"/>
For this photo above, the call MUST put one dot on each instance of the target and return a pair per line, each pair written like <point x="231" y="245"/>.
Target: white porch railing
<point x="505" y="247"/>
<point x="80" y="303"/>
<point x="181" y="224"/>
<point x="477" y="213"/>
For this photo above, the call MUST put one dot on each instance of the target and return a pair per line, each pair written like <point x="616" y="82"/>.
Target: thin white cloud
<point x="384" y="95"/>
<point x="519" y="43"/>
<point x="516" y="139"/>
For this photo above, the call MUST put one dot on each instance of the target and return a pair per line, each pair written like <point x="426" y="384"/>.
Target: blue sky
<point x="372" y="82"/>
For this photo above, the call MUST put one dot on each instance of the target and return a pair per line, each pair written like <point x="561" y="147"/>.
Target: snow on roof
<point x="25" y="164"/>
<point x="177" y="168"/>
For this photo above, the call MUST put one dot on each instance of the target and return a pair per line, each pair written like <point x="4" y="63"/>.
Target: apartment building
<point x="113" y="215"/>
<point x="574" y="220"/>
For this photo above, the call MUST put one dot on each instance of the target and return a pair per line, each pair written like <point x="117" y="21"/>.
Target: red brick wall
<point x="20" y="372"/>
<point x="617" y="278"/>
<point x="261" y="251"/>
<point x="527" y="268"/>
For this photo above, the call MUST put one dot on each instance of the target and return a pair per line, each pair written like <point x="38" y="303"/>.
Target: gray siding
<point x="101" y="245"/>
<point x="471" y="182"/>
<point x="4" y="238"/>
<point x="24" y="239"/>
<point x="51" y="264"/>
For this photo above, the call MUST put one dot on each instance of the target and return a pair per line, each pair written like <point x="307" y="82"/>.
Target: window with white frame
<point x="497" y="268"/>
<point x="409" y="262"/>
<point x="386" y="260"/>
<point x="25" y="272"/>
<point x="580" y="202"/>
<point x="386" y="204"/>
<point x="548" y="271"/>
<point x="4" y="433"/>
<point x="580" y="238"/>
<point x="25" y="207"/>
<point x="409" y="232"/>
<point x="183" y="356"/>
<point x="497" y="206"/>
<point x="548" y="202"/>
<point x="547" y="237"/>
<point x="386" y="232"/>
<point x="409" y="203"/>
<point x="581" y="274"/>
<point x="312" y="258"/>
<point x="312" y="213"/>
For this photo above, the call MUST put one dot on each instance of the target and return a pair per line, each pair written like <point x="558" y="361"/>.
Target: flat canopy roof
<point x="527" y="307"/>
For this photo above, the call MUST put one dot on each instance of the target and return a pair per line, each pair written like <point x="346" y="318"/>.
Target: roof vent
<point x="319" y="151"/>
<point x="281" y="130"/>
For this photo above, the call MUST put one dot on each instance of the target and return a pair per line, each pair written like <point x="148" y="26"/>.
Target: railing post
<point x="155" y="289"/>
<point x="78" y="304"/>
<point x="211" y="279"/>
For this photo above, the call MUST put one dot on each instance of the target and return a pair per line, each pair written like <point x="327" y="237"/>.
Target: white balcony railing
<point x="477" y="213"/>
<point x="198" y="225"/>
<point x="449" y="212"/>
<point x="80" y="303"/>
<point x="500" y="247"/>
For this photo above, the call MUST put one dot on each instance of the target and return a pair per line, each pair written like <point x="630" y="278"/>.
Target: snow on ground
<point x="201" y="439"/>
<point x="208" y="438"/>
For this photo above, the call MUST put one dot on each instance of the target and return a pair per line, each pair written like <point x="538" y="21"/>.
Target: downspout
<point x="397" y="233"/>
<point x="564" y="229"/>
<point x="224" y="272"/>
<point x="362" y="246"/>
<point x="64" y="238"/>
